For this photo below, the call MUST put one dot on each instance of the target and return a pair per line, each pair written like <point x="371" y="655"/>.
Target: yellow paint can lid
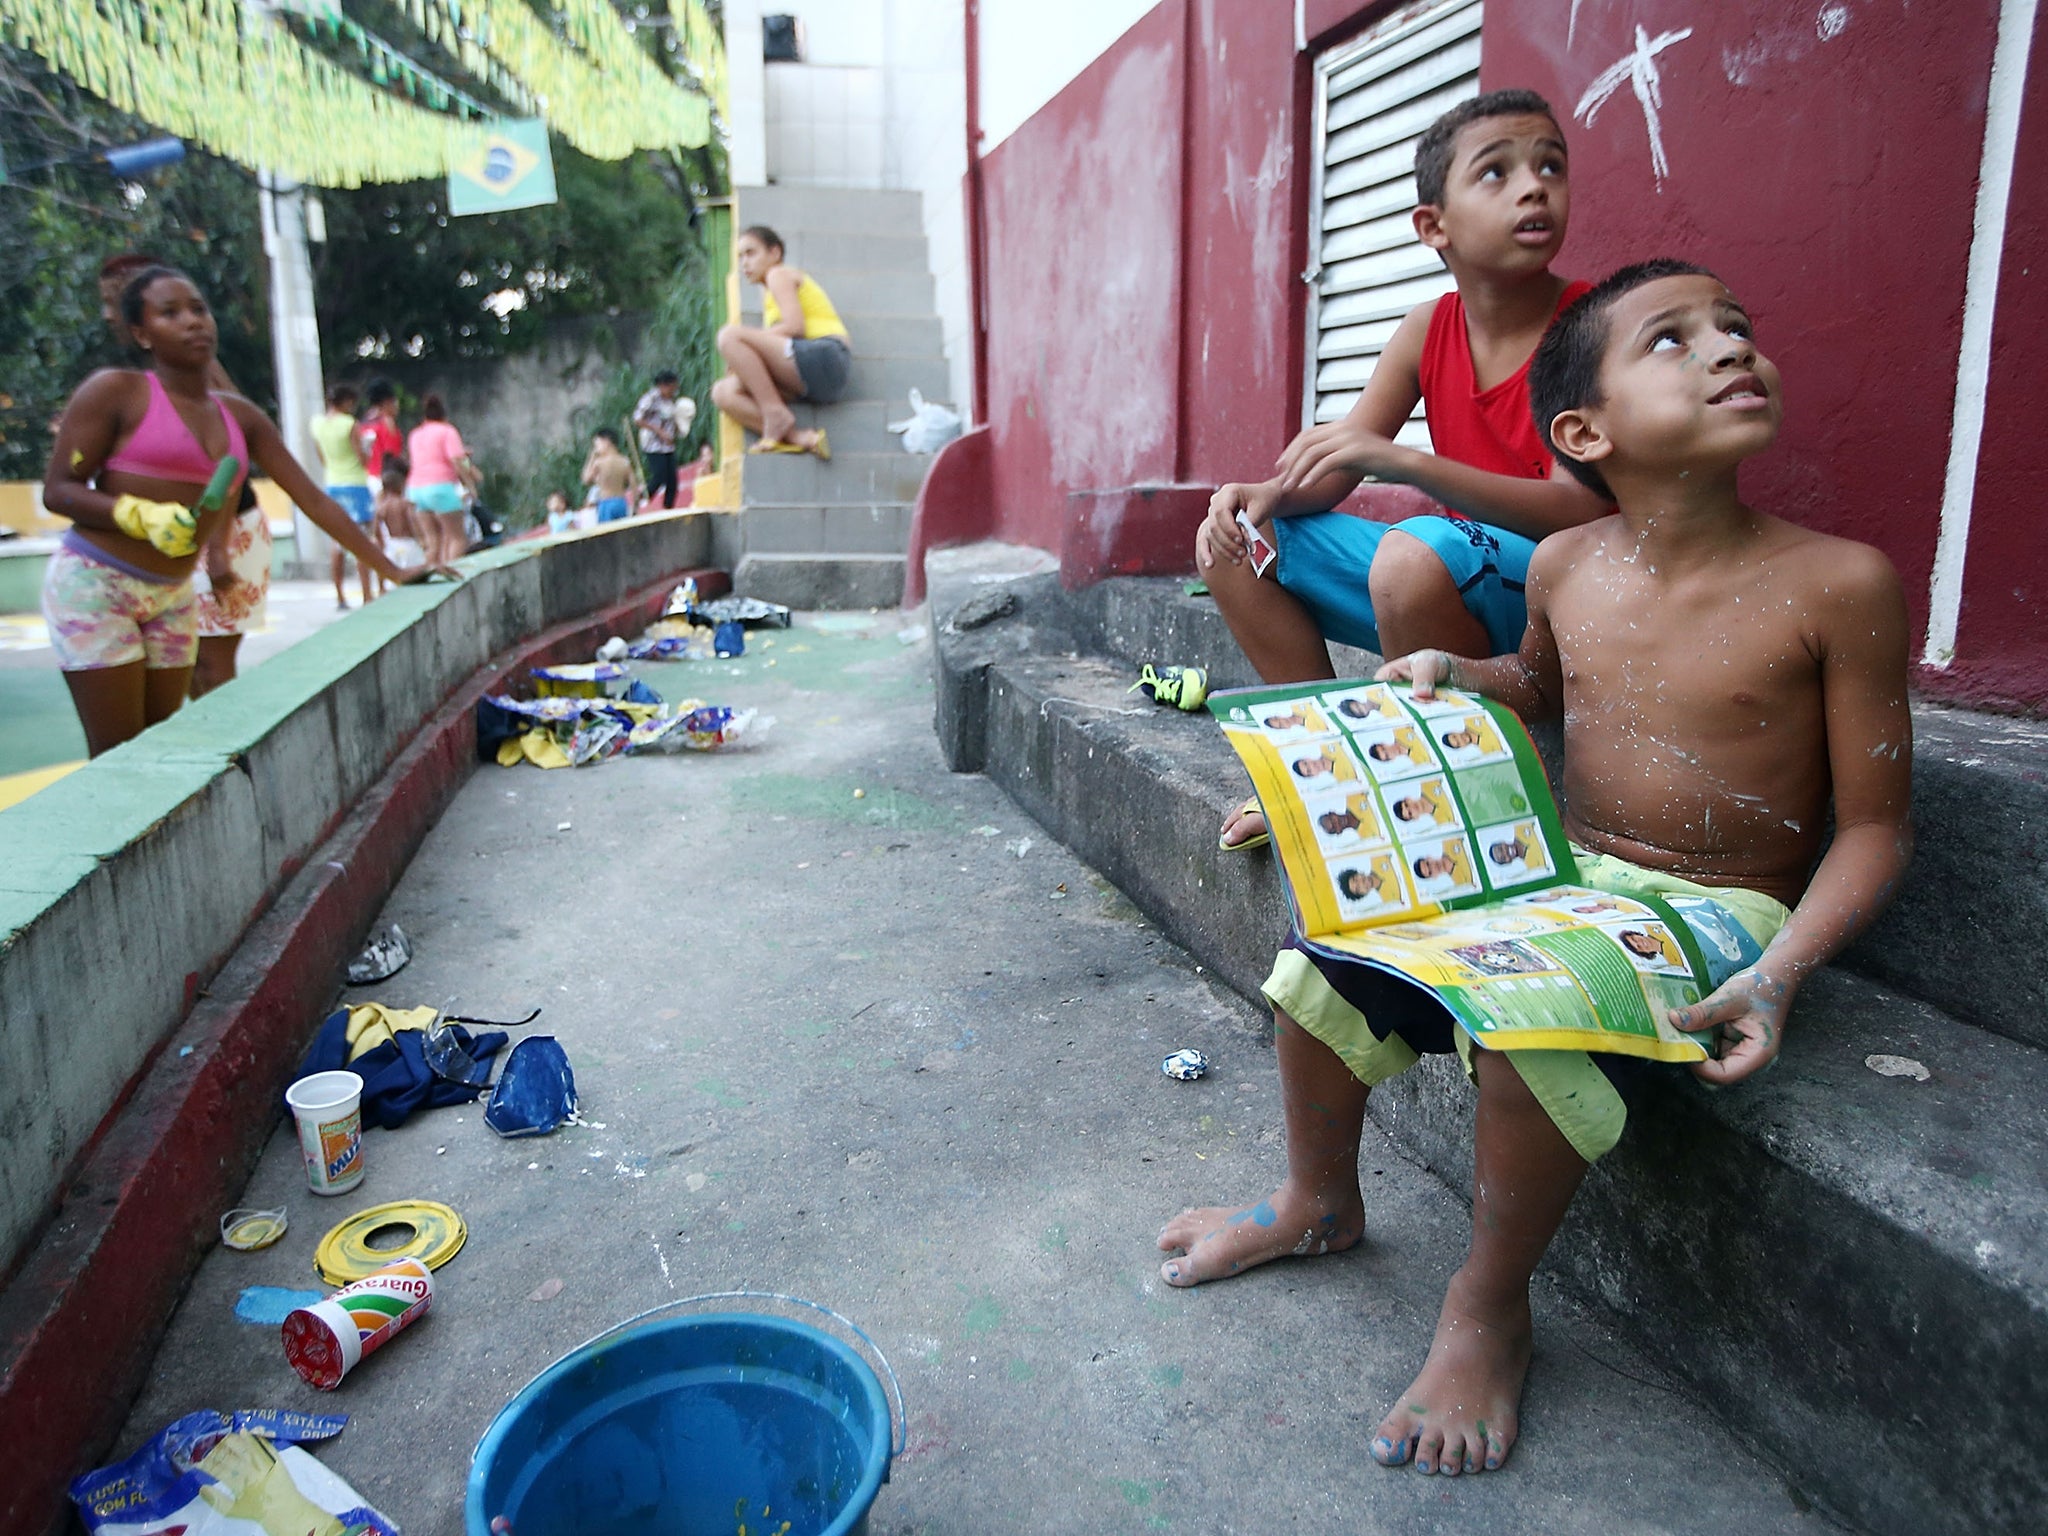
<point x="383" y="1234"/>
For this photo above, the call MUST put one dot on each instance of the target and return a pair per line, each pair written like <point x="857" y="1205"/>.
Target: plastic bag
<point x="209" y="1474"/>
<point x="929" y="427"/>
<point x="536" y="1091"/>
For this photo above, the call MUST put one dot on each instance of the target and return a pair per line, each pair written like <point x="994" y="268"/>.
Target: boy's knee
<point x="1403" y="567"/>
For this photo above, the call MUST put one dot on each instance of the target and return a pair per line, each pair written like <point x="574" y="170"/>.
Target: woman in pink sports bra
<point x="134" y="452"/>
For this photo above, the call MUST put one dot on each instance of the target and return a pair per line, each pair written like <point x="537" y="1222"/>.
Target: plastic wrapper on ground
<point x="210" y="1474"/>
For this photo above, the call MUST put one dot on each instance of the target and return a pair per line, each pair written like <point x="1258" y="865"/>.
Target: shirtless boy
<point x="1722" y="676"/>
<point x="1493" y="195"/>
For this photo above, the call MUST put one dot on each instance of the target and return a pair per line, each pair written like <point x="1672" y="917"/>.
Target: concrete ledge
<point x="127" y="883"/>
<point x="79" y="1319"/>
<point x="1824" y="1254"/>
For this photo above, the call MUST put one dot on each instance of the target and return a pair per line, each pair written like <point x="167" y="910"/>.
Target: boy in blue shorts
<point x="1728" y="682"/>
<point x="1493" y="198"/>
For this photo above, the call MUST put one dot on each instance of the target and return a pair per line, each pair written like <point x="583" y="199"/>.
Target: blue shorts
<point x="612" y="509"/>
<point x="354" y="500"/>
<point x="443" y="497"/>
<point x="1324" y="558"/>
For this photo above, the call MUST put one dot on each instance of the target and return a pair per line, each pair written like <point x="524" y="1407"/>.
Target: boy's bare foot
<point x="1223" y="1240"/>
<point x="1463" y="1412"/>
<point x="1242" y="825"/>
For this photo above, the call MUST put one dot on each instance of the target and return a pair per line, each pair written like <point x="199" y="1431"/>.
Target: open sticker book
<point x="1421" y="836"/>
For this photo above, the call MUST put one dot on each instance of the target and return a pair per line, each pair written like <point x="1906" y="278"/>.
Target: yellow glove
<point x="163" y="524"/>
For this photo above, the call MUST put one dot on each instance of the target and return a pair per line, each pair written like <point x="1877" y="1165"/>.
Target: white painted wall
<point x="1031" y="49"/>
<point x="925" y="148"/>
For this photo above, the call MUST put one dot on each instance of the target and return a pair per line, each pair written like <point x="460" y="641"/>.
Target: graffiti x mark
<point x="1639" y="72"/>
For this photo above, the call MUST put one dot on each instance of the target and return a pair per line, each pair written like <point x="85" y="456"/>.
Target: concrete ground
<point x="851" y="1028"/>
<point x="38" y="727"/>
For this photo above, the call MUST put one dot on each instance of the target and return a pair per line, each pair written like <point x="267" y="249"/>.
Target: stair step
<point x="878" y="528"/>
<point x="1829" y="1256"/>
<point x="855" y="426"/>
<point x="1980" y="807"/>
<point x="829" y="210"/>
<point x="860" y="291"/>
<point x="814" y="581"/>
<point x="850" y="478"/>
<point x="822" y="253"/>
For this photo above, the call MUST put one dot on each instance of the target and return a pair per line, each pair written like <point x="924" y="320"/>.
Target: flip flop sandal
<point x="820" y="447"/>
<point x="1260" y="841"/>
<point x="776" y="445"/>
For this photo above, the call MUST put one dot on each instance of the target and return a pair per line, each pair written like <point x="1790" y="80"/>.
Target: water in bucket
<point x="690" y="1426"/>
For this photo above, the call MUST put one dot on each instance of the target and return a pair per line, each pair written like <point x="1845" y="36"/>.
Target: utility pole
<point x="294" y="341"/>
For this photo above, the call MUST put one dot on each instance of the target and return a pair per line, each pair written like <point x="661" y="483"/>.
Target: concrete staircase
<point x="1849" y="1268"/>
<point x="833" y="535"/>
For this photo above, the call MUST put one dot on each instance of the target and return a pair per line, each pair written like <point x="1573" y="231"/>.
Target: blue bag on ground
<point x="536" y="1090"/>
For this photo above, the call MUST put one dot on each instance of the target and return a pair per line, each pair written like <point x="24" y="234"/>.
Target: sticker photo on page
<point x="1344" y="823"/>
<point x="1442" y="868"/>
<point x="1362" y="707"/>
<point x="1324" y="764"/>
<point x="1468" y="740"/>
<point x="1292" y="719"/>
<point x="1649" y="947"/>
<point x="1366" y="885"/>
<point x="1445" y="701"/>
<point x="1396" y="752"/>
<point x="1515" y="853"/>
<point x="1421" y="806"/>
<point x="1258" y="546"/>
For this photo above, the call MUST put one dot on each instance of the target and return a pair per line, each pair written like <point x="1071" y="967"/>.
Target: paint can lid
<point x="404" y="1229"/>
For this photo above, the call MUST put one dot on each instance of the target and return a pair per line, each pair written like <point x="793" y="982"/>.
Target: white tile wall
<point x="825" y="125"/>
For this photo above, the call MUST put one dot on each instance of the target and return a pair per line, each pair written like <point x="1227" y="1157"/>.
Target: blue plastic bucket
<point x="697" y="1425"/>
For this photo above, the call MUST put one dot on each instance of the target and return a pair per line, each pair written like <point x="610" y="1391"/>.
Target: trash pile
<point x="587" y="712"/>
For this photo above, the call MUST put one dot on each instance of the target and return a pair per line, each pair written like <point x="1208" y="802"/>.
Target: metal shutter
<point x="1374" y="97"/>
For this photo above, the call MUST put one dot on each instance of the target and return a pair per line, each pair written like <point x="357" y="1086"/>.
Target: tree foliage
<point x="398" y="277"/>
<point x="681" y="335"/>
<point x="56" y="227"/>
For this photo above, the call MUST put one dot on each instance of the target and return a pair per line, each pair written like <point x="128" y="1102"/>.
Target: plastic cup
<point x="325" y="1341"/>
<point x="328" y="1107"/>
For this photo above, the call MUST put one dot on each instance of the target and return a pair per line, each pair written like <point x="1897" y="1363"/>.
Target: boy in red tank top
<point x="1493" y="197"/>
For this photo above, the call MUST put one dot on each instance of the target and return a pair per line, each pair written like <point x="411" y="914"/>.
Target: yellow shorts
<point x="1582" y="1092"/>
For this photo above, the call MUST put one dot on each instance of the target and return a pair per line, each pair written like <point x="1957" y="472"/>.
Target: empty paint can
<point x="325" y="1341"/>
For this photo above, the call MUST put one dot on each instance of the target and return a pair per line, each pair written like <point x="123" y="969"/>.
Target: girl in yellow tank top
<point x="801" y="352"/>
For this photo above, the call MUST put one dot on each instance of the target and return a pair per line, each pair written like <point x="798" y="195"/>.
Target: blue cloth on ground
<point x="536" y="1092"/>
<point x="1325" y="558"/>
<point x="397" y="1077"/>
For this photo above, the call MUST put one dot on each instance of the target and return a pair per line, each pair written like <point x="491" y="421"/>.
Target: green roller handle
<point x="215" y="496"/>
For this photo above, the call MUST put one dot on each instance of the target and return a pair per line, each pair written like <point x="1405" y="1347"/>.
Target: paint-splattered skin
<point x="1723" y="675"/>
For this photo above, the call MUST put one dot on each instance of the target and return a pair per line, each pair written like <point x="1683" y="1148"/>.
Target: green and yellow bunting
<point x="235" y="80"/>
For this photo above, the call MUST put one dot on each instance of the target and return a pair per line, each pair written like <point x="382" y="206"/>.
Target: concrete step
<point x="849" y="479"/>
<point x="824" y="581"/>
<point x="824" y="252"/>
<point x="829" y="209"/>
<point x="876" y="334"/>
<point x="861" y="291"/>
<point x="875" y="528"/>
<point x="856" y="426"/>
<point x="1828" y="1256"/>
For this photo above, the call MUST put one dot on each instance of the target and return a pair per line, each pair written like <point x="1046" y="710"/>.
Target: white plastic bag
<point x="929" y="427"/>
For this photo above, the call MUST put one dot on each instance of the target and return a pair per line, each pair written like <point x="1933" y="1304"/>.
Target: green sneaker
<point x="1186" y="687"/>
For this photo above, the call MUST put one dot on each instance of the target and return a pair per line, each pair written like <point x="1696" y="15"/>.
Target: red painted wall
<point x="1146" y="229"/>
